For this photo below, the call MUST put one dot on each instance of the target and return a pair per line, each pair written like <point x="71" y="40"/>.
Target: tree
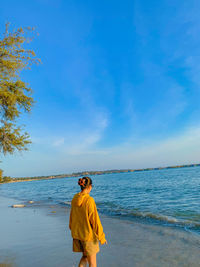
<point x="15" y="94"/>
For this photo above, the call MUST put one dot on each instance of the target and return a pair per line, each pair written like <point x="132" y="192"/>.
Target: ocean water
<point x="166" y="197"/>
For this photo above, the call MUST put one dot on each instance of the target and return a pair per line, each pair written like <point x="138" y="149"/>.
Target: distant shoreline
<point x="87" y="173"/>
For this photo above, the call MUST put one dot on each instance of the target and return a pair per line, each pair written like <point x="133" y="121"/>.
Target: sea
<point x="168" y="197"/>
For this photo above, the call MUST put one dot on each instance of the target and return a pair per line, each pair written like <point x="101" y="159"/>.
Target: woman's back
<point x="85" y="225"/>
<point x="80" y="225"/>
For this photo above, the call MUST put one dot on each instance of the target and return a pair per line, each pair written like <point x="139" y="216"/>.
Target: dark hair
<point x="84" y="182"/>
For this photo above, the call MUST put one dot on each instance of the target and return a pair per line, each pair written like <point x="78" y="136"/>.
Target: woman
<point x="85" y="225"/>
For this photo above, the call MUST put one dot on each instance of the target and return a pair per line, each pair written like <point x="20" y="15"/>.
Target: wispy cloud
<point x="80" y="141"/>
<point x="59" y="142"/>
<point x="180" y="149"/>
<point x="88" y="138"/>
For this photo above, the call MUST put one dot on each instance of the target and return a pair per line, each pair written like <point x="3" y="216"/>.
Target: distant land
<point x="87" y="173"/>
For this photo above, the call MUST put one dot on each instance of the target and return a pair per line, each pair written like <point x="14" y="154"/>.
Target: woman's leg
<point x="83" y="261"/>
<point x="92" y="260"/>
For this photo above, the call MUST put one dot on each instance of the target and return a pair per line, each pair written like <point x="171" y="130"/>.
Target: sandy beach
<point x="38" y="235"/>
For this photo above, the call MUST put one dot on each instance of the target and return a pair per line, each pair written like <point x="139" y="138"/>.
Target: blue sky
<point x="118" y="86"/>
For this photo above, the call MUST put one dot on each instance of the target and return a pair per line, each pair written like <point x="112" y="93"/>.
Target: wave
<point x="159" y="218"/>
<point x="65" y="203"/>
<point x="112" y="209"/>
<point x="165" y="219"/>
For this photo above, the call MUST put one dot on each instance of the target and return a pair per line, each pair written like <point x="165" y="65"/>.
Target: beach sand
<point x="38" y="235"/>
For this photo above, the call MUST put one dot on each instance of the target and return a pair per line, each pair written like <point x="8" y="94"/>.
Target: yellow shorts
<point x="87" y="247"/>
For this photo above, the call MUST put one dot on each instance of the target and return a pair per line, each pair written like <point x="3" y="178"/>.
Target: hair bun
<point x="81" y="182"/>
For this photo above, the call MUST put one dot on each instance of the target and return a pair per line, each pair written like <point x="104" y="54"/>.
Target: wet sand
<point x="38" y="235"/>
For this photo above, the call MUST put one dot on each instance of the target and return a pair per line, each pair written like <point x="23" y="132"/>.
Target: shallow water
<point x="169" y="197"/>
<point x="38" y="235"/>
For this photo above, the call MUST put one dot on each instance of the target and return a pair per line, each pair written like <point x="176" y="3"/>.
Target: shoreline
<point x="85" y="173"/>
<point x="147" y="218"/>
<point x="43" y="230"/>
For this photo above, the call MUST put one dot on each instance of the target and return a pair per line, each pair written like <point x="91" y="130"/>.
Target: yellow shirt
<point x="84" y="221"/>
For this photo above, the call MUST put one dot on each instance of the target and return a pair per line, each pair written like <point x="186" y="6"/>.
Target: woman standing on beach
<point x="85" y="225"/>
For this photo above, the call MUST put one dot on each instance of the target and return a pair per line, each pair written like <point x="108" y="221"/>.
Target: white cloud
<point x="87" y="139"/>
<point x="59" y="142"/>
<point x="180" y="149"/>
